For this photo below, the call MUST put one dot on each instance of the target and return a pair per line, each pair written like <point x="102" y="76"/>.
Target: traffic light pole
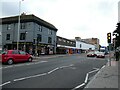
<point x="109" y="46"/>
<point x="109" y="59"/>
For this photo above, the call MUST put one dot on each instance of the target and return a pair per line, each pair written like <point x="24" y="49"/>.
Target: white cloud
<point x="84" y="18"/>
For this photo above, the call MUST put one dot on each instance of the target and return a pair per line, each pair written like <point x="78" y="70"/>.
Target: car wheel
<point x="10" y="62"/>
<point x="30" y="59"/>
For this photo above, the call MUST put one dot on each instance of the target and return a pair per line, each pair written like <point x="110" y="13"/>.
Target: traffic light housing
<point x="109" y="37"/>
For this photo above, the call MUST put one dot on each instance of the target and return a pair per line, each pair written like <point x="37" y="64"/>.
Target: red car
<point x="91" y="54"/>
<point x="12" y="56"/>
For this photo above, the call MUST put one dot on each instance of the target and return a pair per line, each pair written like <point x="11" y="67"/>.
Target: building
<point x="94" y="41"/>
<point x="83" y="46"/>
<point x="35" y="34"/>
<point x="0" y="38"/>
<point x="65" y="46"/>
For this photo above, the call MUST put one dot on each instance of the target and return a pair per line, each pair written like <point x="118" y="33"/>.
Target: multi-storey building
<point x="83" y="46"/>
<point x="35" y="34"/>
<point x="94" y="41"/>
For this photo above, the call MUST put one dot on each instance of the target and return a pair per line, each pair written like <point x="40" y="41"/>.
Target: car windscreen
<point x="4" y="52"/>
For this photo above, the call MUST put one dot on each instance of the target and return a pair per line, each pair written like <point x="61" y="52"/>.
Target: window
<point x="40" y="28"/>
<point x="80" y="45"/>
<point x="23" y="26"/>
<point x="64" y="40"/>
<point x="22" y="52"/>
<point x="39" y="38"/>
<point x="22" y="36"/>
<point x="8" y="37"/>
<point x="68" y="42"/>
<point x="49" y="40"/>
<point x="0" y="33"/>
<point x="8" y="26"/>
<point x="49" y="31"/>
<point x="15" y="52"/>
<point x="60" y="39"/>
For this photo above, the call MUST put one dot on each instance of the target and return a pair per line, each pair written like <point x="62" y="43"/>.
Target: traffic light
<point x="109" y="37"/>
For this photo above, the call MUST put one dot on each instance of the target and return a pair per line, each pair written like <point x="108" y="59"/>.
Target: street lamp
<point x="25" y="41"/>
<point x="18" y="26"/>
<point x="18" y="33"/>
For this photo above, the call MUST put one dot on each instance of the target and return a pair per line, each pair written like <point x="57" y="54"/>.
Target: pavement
<point x="107" y="77"/>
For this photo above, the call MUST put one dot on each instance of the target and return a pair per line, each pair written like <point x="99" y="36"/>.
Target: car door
<point x="16" y="55"/>
<point x="23" y="56"/>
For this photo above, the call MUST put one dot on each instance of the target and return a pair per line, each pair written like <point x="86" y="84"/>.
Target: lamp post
<point x="18" y="33"/>
<point x="25" y="41"/>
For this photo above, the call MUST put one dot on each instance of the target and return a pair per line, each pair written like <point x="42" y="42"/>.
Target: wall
<point x="0" y="36"/>
<point x="84" y="46"/>
<point x="32" y="31"/>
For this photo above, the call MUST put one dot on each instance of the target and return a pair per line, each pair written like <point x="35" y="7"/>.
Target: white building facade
<point x="84" y="46"/>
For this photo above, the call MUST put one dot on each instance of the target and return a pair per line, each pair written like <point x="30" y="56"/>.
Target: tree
<point x="117" y="34"/>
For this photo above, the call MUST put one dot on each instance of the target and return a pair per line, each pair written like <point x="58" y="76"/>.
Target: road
<point x="59" y="72"/>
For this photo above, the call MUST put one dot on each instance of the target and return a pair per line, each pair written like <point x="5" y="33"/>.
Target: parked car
<point x="12" y="56"/>
<point x="91" y="54"/>
<point x="100" y="55"/>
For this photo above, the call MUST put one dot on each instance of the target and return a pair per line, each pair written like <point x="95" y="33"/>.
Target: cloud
<point x="84" y="18"/>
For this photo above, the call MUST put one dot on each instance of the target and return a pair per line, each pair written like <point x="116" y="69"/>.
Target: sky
<point x="72" y="18"/>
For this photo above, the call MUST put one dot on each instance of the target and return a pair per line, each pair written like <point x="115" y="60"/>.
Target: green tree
<point x="117" y="34"/>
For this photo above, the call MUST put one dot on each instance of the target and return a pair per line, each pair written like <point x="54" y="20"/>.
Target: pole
<point x="109" y="59"/>
<point x="18" y="26"/>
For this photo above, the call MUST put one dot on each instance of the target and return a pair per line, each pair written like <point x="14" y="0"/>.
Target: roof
<point x="27" y="18"/>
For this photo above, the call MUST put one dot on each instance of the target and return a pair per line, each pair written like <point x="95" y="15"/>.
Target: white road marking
<point x="30" y="77"/>
<point x="23" y="64"/>
<point x="5" y="83"/>
<point x="7" y="67"/>
<point x="53" y="70"/>
<point x="103" y="66"/>
<point x="86" y="78"/>
<point x="93" y="71"/>
<point x="19" y="65"/>
<point x="79" y="86"/>
<point x="38" y="75"/>
<point x="94" y="76"/>
<point x="66" y="66"/>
